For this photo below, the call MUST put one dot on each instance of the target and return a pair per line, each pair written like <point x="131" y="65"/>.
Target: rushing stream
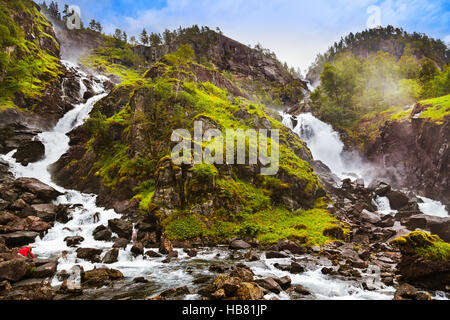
<point x="184" y="270"/>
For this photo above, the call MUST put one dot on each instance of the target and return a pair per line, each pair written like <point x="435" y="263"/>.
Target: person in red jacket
<point x="26" y="252"/>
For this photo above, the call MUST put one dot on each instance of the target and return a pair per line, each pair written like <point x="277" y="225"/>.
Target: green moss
<point x="183" y="226"/>
<point x="425" y="245"/>
<point x="439" y="109"/>
<point x="28" y="69"/>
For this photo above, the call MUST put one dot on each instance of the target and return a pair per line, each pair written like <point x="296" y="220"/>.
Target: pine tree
<point x="155" y="39"/>
<point x="125" y="37"/>
<point x="144" y="37"/>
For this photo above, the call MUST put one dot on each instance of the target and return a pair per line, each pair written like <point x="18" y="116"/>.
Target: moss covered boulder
<point x="425" y="260"/>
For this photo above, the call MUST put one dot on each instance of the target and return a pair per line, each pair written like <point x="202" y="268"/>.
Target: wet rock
<point x="301" y="290"/>
<point x="153" y="254"/>
<point x="121" y="243"/>
<point x="166" y="246"/>
<point x="122" y="227"/>
<point x="382" y="189"/>
<point x="292" y="247"/>
<point x="415" y="222"/>
<point x="176" y="292"/>
<point x="43" y="191"/>
<point x="70" y="287"/>
<point x="243" y="272"/>
<point x="239" y="245"/>
<point x="217" y="268"/>
<point x="73" y="241"/>
<point x="62" y="275"/>
<point x="296" y="268"/>
<point x="19" y="238"/>
<point x="45" y="271"/>
<point x="15" y="270"/>
<point x="387" y="221"/>
<point x="282" y="267"/>
<point x="192" y="253"/>
<point x="328" y="271"/>
<point x="397" y="199"/>
<point x="101" y="233"/>
<point x="89" y="254"/>
<point x="408" y="292"/>
<point x="138" y="248"/>
<point x="249" y="291"/>
<point x="111" y="256"/>
<point x="173" y="254"/>
<point x="229" y="284"/>
<point x="370" y="217"/>
<point x="31" y="290"/>
<point x="219" y="295"/>
<point x="46" y="212"/>
<point x="315" y="249"/>
<point x="251" y="256"/>
<point x="276" y="255"/>
<point x="36" y="224"/>
<point x="29" y="152"/>
<point x="269" y="284"/>
<point x="284" y="282"/>
<point x="100" y="277"/>
<point x="140" y="280"/>
<point x="440" y="227"/>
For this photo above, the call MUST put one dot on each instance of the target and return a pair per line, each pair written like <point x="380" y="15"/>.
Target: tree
<point x="54" y="11"/>
<point x="155" y="39"/>
<point x="133" y="40"/>
<point x="93" y="25"/>
<point x="167" y="36"/>
<point x="144" y="37"/>
<point x="124" y="37"/>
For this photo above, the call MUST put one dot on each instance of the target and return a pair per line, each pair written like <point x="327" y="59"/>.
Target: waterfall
<point x="326" y="145"/>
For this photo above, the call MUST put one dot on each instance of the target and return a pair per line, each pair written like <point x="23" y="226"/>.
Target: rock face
<point x="31" y="151"/>
<point x="15" y="270"/>
<point x="418" y="150"/>
<point x="425" y="260"/>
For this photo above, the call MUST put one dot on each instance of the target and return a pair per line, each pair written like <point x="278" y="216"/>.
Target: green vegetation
<point x="25" y="67"/>
<point x="353" y="87"/>
<point x="438" y="110"/>
<point x="170" y="96"/>
<point x="427" y="246"/>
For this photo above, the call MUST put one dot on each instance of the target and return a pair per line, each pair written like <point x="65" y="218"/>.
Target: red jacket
<point x="25" y="252"/>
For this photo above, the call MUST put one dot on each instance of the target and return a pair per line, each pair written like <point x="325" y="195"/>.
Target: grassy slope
<point x="259" y="216"/>
<point x="28" y="69"/>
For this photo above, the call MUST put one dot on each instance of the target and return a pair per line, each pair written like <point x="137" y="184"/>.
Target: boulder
<point x="296" y="268"/>
<point x="122" y="227"/>
<point x="441" y="227"/>
<point x="89" y="254"/>
<point x="32" y="289"/>
<point x="19" y="238"/>
<point x="29" y="152"/>
<point x="121" y="243"/>
<point x="251" y="256"/>
<point x="243" y="273"/>
<point x="292" y="247"/>
<point x="15" y="270"/>
<point x="138" y="248"/>
<point x="284" y="282"/>
<point x="370" y="217"/>
<point x="239" y="245"/>
<point x="100" y="277"/>
<point x="101" y="233"/>
<point x="153" y="254"/>
<point x="192" y="253"/>
<point x="45" y="271"/>
<point x="397" y="199"/>
<point x="276" y="255"/>
<point x="269" y="284"/>
<point x="41" y="190"/>
<point x="301" y="290"/>
<point x="73" y="241"/>
<point x="70" y="287"/>
<point x="249" y="291"/>
<point x="334" y="232"/>
<point x="111" y="256"/>
<point x="47" y="211"/>
<point x="36" y="224"/>
<point x="408" y="292"/>
<point x="165" y="246"/>
<point x="175" y="292"/>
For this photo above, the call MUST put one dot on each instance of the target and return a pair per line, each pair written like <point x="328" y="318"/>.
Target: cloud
<point x="296" y="30"/>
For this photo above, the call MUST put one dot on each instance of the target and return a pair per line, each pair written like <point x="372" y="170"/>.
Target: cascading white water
<point x="326" y="145"/>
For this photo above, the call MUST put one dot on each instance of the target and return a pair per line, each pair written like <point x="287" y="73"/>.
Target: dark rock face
<point x="419" y="152"/>
<point x="111" y="256"/>
<point x="15" y="270"/>
<point x="19" y="238"/>
<point x="29" y="152"/>
<point x="123" y="228"/>
<point x="239" y="244"/>
<point x="90" y="254"/>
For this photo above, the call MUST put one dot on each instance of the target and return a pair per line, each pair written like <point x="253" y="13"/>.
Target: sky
<point x="296" y="30"/>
